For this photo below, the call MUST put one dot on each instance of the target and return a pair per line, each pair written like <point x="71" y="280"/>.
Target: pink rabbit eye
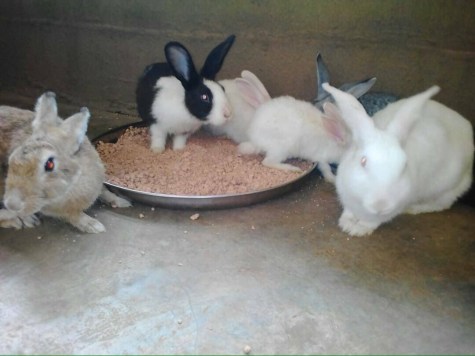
<point x="363" y="161"/>
<point x="49" y="164"/>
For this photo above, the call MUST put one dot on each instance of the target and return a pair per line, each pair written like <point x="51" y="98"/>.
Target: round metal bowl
<point x="197" y="201"/>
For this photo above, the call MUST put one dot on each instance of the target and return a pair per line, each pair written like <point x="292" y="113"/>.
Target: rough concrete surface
<point x="278" y="276"/>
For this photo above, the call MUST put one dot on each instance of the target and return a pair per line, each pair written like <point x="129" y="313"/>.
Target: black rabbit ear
<point x="181" y="64"/>
<point x="215" y="58"/>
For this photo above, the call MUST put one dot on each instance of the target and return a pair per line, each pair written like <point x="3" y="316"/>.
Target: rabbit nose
<point x="14" y="203"/>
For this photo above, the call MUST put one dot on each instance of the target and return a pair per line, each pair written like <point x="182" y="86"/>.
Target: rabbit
<point x="174" y="99"/>
<point x="371" y="101"/>
<point x="414" y="156"/>
<point x="53" y="169"/>
<point x="285" y="127"/>
<point x="237" y="127"/>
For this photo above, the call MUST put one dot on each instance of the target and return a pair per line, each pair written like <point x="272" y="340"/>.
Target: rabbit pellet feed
<point x="206" y="166"/>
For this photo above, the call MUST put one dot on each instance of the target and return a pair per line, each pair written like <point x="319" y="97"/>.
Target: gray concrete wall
<point x="91" y="52"/>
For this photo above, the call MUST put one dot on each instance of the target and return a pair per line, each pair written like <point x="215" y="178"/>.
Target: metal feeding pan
<point x="197" y="201"/>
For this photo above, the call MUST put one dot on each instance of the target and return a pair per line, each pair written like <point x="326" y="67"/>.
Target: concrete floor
<point x="278" y="276"/>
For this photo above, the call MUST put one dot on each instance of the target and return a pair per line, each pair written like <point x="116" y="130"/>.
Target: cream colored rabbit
<point x="53" y="169"/>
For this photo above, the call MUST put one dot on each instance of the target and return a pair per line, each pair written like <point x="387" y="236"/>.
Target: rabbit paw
<point x="179" y="142"/>
<point x="326" y="171"/>
<point x="87" y="224"/>
<point x="11" y="223"/>
<point x="19" y="223"/>
<point x="113" y="200"/>
<point x="30" y="221"/>
<point x="355" y="227"/>
<point x="247" y="148"/>
<point x="283" y="166"/>
<point x="9" y="219"/>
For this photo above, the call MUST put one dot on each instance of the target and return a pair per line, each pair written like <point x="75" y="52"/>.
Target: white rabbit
<point x="243" y="110"/>
<point x="174" y="99"/>
<point x="285" y="127"/>
<point x="415" y="157"/>
<point x="52" y="167"/>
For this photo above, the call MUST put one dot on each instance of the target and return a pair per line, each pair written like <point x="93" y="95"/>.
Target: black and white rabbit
<point x="371" y="101"/>
<point x="174" y="99"/>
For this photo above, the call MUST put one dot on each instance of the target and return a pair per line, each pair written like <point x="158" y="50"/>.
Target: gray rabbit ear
<point x="359" y="88"/>
<point x="323" y="76"/>
<point x="75" y="128"/>
<point x="46" y="110"/>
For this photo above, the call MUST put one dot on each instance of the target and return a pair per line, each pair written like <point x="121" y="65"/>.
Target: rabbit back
<point x="376" y="101"/>
<point x="15" y="127"/>
<point x="146" y="90"/>
<point x="294" y="128"/>
<point x="439" y="148"/>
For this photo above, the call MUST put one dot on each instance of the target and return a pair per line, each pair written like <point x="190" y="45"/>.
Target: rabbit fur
<point x="371" y="101"/>
<point x="53" y="169"/>
<point x="285" y="127"/>
<point x="414" y="156"/>
<point x="174" y="99"/>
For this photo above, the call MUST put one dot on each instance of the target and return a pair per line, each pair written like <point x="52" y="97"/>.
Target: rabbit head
<point x="245" y="94"/>
<point x="41" y="170"/>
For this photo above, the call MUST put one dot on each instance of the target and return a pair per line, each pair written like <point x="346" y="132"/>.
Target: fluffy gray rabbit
<point x="53" y="169"/>
<point x="371" y="101"/>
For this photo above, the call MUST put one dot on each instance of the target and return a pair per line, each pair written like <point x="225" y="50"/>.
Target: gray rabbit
<point x="371" y="101"/>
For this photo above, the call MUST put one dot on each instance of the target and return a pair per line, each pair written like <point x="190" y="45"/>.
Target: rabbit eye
<point x="205" y="98"/>
<point x="363" y="161"/>
<point x="49" y="164"/>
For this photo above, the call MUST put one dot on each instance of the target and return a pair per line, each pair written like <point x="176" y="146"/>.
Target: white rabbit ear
<point x="252" y="95"/>
<point x="253" y="79"/>
<point x="333" y="123"/>
<point x="75" y="127"/>
<point x="409" y="113"/>
<point x="46" y="110"/>
<point x="352" y="112"/>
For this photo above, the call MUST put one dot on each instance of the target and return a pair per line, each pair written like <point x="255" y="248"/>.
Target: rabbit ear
<point x="46" y="110"/>
<point x="252" y="78"/>
<point x="215" y="58"/>
<point x="182" y="65"/>
<point x="360" y="88"/>
<point x="333" y="123"/>
<point x="352" y="112"/>
<point x="75" y="127"/>
<point x="250" y="93"/>
<point x="323" y="76"/>
<point x="409" y="112"/>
